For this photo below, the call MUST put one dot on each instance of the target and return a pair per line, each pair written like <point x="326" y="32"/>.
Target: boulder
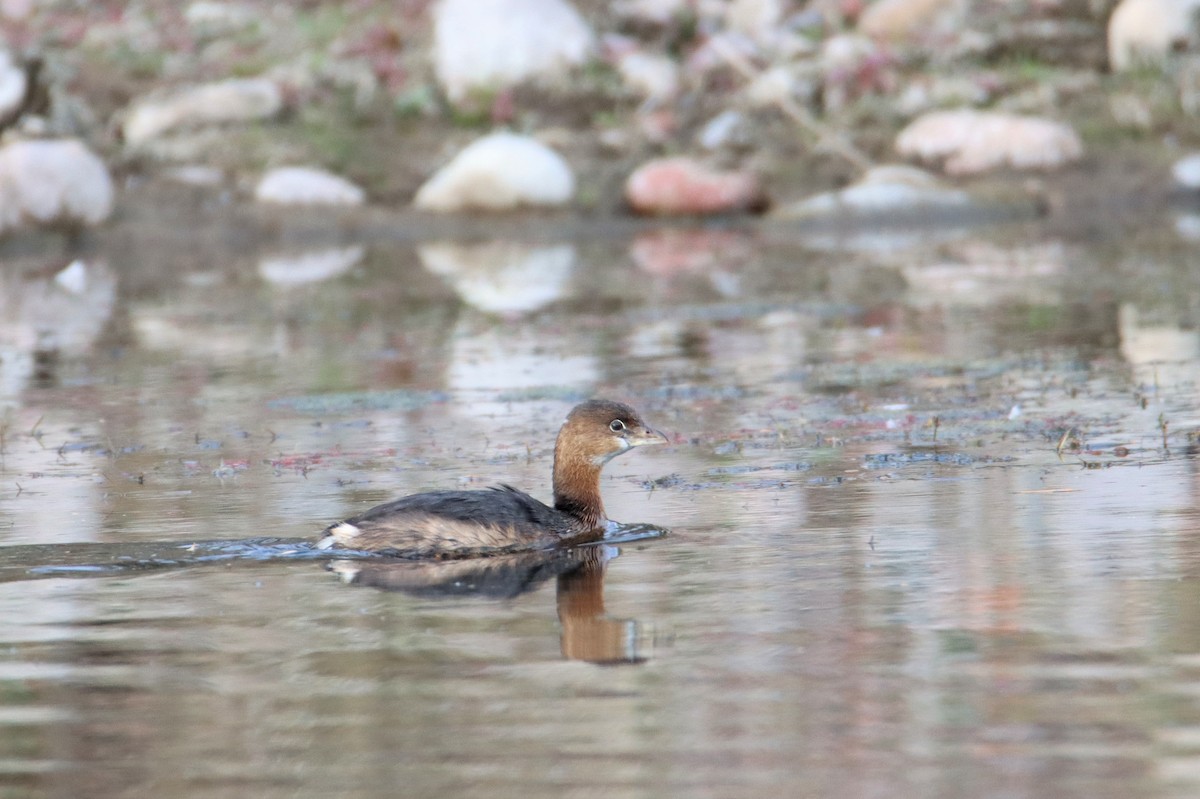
<point x="299" y="185"/>
<point x="1147" y="31"/>
<point x="683" y="186"/>
<point x="488" y="45"/>
<point x="969" y="142"/>
<point x="200" y="106"/>
<point x="501" y="171"/>
<point x="52" y="181"/>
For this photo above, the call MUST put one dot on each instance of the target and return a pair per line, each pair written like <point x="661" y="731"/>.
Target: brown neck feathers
<point x="577" y="484"/>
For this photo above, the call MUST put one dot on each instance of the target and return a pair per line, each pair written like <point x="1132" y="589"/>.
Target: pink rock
<point x="682" y="186"/>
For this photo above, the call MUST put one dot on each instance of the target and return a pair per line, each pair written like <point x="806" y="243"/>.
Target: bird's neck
<point x="577" y="487"/>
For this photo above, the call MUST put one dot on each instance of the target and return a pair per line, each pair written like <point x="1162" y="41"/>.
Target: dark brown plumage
<point x="464" y="524"/>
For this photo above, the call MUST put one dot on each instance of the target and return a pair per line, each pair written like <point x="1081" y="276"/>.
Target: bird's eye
<point x="616" y="425"/>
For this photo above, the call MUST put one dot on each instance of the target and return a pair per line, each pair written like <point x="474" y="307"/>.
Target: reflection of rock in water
<point x="978" y="273"/>
<point x="489" y="368"/>
<point x="46" y="316"/>
<point x="309" y="267"/>
<point x="502" y="277"/>
<point x="587" y="633"/>
<point x="1161" y="354"/>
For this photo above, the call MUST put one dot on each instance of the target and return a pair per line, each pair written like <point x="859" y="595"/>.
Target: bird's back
<point x="456" y="524"/>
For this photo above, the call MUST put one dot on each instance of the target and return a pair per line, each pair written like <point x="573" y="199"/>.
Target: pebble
<point x="240" y="100"/>
<point x="501" y="171"/>
<point x="884" y="189"/>
<point x="653" y="77"/>
<point x="683" y="186"/>
<point x="904" y="19"/>
<point x="970" y="142"/>
<point x="488" y="45"/>
<point x="297" y="185"/>
<point x="1186" y="172"/>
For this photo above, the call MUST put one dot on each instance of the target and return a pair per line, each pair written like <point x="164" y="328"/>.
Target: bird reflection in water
<point x="588" y="633"/>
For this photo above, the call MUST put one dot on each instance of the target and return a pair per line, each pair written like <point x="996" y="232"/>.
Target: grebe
<point x="467" y="524"/>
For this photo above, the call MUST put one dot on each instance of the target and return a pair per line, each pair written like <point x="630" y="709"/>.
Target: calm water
<point x="925" y="536"/>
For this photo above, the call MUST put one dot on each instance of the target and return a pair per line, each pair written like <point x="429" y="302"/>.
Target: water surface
<point x="931" y="502"/>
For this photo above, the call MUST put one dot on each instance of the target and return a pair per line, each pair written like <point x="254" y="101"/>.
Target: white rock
<point x="494" y="44"/>
<point x="209" y="104"/>
<point x="213" y="18"/>
<point x="727" y="128"/>
<point x="772" y="87"/>
<point x="758" y="19"/>
<point x="195" y="175"/>
<point x="13" y="84"/>
<point x="310" y="267"/>
<point x="654" y="77"/>
<point x="1186" y="172"/>
<point x="502" y="277"/>
<point x="1147" y="31"/>
<point x="498" y="172"/>
<point x="884" y="189"/>
<point x="52" y="181"/>
<point x="969" y="142"/>
<point x="299" y="185"/>
<point x="654" y="12"/>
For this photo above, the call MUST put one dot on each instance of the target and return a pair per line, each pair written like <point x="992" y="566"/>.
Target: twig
<point x="793" y="110"/>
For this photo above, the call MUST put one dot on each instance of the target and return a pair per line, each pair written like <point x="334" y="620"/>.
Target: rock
<point x="726" y="129"/>
<point x="903" y="19"/>
<point x="199" y="106"/>
<point x="298" y="185"/>
<point x="1186" y="172"/>
<point x="216" y="18"/>
<point x="682" y="186"/>
<point x="1147" y="31"/>
<point x="772" y="87"/>
<point x="197" y="175"/>
<point x="14" y="83"/>
<point x="52" y="181"/>
<point x="15" y="9"/>
<point x="899" y="190"/>
<point x="970" y="142"/>
<point x="654" y="77"/>
<point x="758" y="19"/>
<point x="502" y="277"/>
<point x="648" y="12"/>
<point x="309" y="267"/>
<point x="487" y="45"/>
<point x="499" y="172"/>
<point x="852" y="66"/>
